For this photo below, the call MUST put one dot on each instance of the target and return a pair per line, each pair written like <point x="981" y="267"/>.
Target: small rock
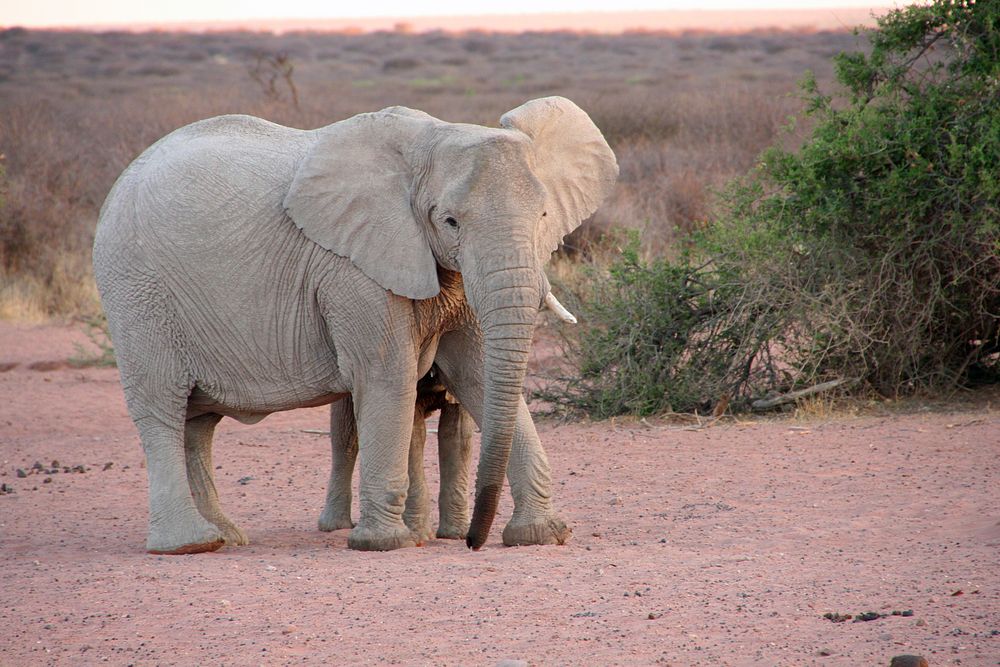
<point x="47" y="480"/>
<point x="909" y="661"/>
<point x="825" y="651"/>
<point x="653" y="615"/>
<point x="55" y="464"/>
<point x="920" y="623"/>
<point x="225" y="603"/>
<point x="270" y="568"/>
<point x="289" y="630"/>
<point x="20" y="473"/>
<point x="108" y="466"/>
<point x="244" y="480"/>
<point x="885" y="636"/>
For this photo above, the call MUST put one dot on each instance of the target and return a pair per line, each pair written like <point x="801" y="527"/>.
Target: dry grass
<point x="684" y="114"/>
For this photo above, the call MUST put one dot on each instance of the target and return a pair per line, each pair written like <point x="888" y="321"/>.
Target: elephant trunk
<point x="506" y="307"/>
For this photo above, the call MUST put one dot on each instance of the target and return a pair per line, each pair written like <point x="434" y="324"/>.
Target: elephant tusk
<point x="560" y="310"/>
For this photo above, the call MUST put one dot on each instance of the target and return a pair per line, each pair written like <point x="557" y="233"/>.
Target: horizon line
<point x="725" y="20"/>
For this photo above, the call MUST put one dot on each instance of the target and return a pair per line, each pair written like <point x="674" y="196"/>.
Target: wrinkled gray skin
<point x="455" y="429"/>
<point x="247" y="268"/>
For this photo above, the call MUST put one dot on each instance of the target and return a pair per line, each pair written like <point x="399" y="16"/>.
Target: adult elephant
<point x="247" y="268"/>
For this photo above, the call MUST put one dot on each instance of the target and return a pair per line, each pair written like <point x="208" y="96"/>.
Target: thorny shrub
<point x="872" y="253"/>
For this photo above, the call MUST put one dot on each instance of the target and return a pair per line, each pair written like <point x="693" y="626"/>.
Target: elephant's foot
<point x="550" y="530"/>
<point x="452" y="531"/>
<point x="191" y="536"/>
<point x="420" y="527"/>
<point x="332" y="519"/>
<point x="233" y="534"/>
<point x="422" y="534"/>
<point x="364" y="538"/>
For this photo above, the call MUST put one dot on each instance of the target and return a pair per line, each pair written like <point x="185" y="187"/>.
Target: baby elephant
<point x="454" y="452"/>
<point x="455" y="428"/>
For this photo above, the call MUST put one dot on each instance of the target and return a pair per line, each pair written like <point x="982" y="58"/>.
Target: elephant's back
<point x="211" y="179"/>
<point x="195" y="233"/>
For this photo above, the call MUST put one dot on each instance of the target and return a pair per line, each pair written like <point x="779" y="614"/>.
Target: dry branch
<point x="792" y="396"/>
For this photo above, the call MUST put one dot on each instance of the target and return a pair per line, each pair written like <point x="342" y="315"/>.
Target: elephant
<point x="455" y="429"/>
<point x="247" y="268"/>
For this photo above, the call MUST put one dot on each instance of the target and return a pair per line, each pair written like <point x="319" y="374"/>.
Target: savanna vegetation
<point x="684" y="113"/>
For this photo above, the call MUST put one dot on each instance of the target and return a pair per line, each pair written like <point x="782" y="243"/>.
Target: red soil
<point x="721" y="545"/>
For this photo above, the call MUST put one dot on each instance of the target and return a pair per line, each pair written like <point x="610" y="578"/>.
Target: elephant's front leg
<point x="198" y="457"/>
<point x="344" y="452"/>
<point x="383" y="413"/>
<point x="455" y="431"/>
<point x="534" y="521"/>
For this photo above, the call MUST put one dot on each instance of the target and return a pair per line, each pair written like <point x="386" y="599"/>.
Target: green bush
<point x="871" y="253"/>
<point x="663" y="335"/>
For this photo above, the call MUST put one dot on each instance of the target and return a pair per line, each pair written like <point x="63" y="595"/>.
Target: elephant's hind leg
<point x="175" y="525"/>
<point x="157" y="386"/>
<point x="198" y="456"/>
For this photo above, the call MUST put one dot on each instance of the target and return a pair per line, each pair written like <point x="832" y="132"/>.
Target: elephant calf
<point x="455" y="430"/>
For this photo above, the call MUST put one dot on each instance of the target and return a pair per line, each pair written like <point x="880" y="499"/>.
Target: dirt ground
<point x="720" y="545"/>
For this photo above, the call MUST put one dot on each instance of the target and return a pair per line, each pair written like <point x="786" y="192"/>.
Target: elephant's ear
<point x="351" y="195"/>
<point x="573" y="162"/>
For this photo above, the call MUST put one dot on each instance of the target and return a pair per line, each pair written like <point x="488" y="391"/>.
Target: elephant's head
<point x="400" y="193"/>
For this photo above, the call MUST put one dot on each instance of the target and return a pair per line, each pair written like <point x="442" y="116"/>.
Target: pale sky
<point x="41" y="13"/>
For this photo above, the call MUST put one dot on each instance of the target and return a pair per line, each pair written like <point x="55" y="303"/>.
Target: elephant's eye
<point x="451" y="222"/>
